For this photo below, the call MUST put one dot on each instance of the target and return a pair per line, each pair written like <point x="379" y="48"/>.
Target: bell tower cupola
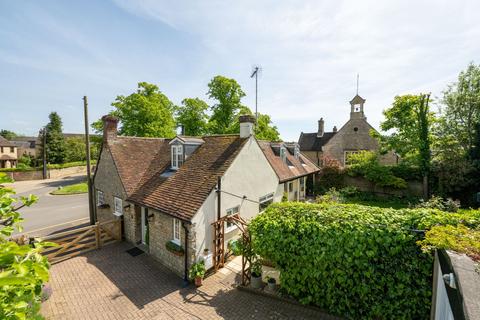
<point x="356" y="105"/>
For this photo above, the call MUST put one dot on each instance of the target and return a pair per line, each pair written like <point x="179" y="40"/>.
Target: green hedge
<point x="355" y="261"/>
<point x="49" y="166"/>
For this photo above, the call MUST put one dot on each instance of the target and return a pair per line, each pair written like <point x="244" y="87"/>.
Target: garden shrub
<point x="366" y="164"/>
<point x="331" y="175"/>
<point x="457" y="238"/>
<point x="356" y="261"/>
<point x="436" y="202"/>
<point x="331" y="196"/>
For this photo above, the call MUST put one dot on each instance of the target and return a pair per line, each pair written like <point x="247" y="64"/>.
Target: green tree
<point x="145" y="113"/>
<point x="7" y="134"/>
<point x="192" y="115"/>
<point x="265" y="130"/>
<point x="23" y="270"/>
<point x="461" y="108"/>
<point x="228" y="95"/>
<point x="76" y="149"/>
<point x="56" y="148"/>
<point x="411" y="121"/>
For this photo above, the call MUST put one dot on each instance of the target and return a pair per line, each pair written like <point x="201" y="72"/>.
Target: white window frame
<point x="100" y="198"/>
<point x="176" y="231"/>
<point x="177" y="156"/>
<point x="265" y="198"/>
<point x="302" y="184"/>
<point x="290" y="187"/>
<point x="117" y="202"/>
<point x="229" y="225"/>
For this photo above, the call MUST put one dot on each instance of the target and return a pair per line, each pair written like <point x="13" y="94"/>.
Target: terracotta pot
<point x="198" y="281"/>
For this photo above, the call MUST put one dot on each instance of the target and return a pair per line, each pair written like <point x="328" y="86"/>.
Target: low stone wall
<point x="414" y="188"/>
<point x="51" y="173"/>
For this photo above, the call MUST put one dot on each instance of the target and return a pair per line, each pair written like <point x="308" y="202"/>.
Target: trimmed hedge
<point x="355" y="261"/>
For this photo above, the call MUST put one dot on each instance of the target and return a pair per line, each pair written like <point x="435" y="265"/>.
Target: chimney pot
<point x="109" y="127"/>
<point x="246" y="125"/>
<point x="334" y="128"/>
<point x="321" y="126"/>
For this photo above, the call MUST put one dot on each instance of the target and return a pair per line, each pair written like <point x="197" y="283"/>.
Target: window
<point x="12" y="149"/>
<point x="356" y="108"/>
<point x="348" y="155"/>
<point x="283" y="154"/>
<point x="231" y="212"/>
<point x="290" y="187"/>
<point x="177" y="156"/>
<point x="100" y="198"/>
<point x="118" y="207"/>
<point x="176" y="231"/>
<point x="265" y="201"/>
<point x="302" y="184"/>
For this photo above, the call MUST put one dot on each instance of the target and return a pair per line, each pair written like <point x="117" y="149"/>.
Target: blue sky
<point x="54" y="52"/>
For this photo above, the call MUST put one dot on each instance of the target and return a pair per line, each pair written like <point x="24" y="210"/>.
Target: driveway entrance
<point x="111" y="284"/>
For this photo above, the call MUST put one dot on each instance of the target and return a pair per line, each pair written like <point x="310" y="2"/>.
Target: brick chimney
<point x="246" y="125"/>
<point x="109" y="127"/>
<point x="321" y="126"/>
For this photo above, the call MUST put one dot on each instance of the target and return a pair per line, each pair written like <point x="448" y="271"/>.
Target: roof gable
<point x="293" y="168"/>
<point x="183" y="193"/>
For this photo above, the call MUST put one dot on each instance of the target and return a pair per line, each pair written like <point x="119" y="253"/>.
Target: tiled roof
<point x="7" y="157"/>
<point x="310" y="141"/>
<point x="181" y="194"/>
<point x="133" y="156"/>
<point x="294" y="167"/>
<point x="5" y="143"/>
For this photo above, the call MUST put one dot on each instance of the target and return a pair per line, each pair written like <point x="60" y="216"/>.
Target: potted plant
<point x="272" y="284"/>
<point x="197" y="272"/>
<point x="256" y="280"/>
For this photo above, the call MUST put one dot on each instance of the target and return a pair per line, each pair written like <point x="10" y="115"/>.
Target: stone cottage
<point x="8" y="154"/>
<point x="352" y="138"/>
<point x="166" y="190"/>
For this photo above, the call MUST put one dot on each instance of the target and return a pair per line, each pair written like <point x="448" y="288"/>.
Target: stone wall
<point x="51" y="173"/>
<point x="161" y="231"/>
<point x="108" y="181"/>
<point x="414" y="188"/>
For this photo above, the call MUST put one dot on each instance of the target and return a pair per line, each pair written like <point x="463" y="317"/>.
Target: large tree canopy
<point x="461" y="108"/>
<point x="145" y="113"/>
<point x="191" y="114"/>
<point x="55" y="147"/>
<point x="228" y="95"/>
<point x="7" y="134"/>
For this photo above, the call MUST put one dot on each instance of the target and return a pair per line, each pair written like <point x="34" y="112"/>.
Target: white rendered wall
<point x="251" y="175"/>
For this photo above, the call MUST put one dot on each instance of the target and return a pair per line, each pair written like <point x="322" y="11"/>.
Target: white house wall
<point x="251" y="175"/>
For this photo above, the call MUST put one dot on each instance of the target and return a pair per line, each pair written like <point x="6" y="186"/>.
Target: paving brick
<point x="111" y="284"/>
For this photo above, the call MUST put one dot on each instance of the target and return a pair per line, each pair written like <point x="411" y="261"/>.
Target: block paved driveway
<point x="111" y="284"/>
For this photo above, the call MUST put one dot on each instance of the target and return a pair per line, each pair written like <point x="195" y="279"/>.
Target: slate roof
<point x="182" y="193"/>
<point x="294" y="168"/>
<point x="310" y="141"/>
<point x="5" y="143"/>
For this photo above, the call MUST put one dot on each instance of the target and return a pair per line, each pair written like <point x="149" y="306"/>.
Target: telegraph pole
<point x="91" y="208"/>
<point x="44" y="138"/>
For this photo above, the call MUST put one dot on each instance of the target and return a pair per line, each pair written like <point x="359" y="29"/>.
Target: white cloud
<point x="311" y="51"/>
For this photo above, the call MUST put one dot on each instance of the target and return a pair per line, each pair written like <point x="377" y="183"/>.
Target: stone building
<point x="8" y="154"/>
<point x="166" y="190"/>
<point x="353" y="137"/>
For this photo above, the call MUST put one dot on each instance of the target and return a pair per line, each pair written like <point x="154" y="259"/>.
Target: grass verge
<point x="71" y="189"/>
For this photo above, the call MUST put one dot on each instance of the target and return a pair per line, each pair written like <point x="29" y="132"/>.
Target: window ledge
<point x="227" y="230"/>
<point x="118" y="214"/>
<point x="177" y="242"/>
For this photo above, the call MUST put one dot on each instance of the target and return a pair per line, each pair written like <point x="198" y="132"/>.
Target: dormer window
<point x="283" y="154"/>
<point x="177" y="156"/>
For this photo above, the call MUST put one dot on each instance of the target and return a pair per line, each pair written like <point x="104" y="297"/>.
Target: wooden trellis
<point x="219" y="244"/>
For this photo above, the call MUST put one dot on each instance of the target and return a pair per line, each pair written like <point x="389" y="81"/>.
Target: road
<point x="51" y="213"/>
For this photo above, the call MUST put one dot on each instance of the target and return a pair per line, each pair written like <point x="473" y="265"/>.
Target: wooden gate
<point x="219" y="245"/>
<point x="74" y="242"/>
